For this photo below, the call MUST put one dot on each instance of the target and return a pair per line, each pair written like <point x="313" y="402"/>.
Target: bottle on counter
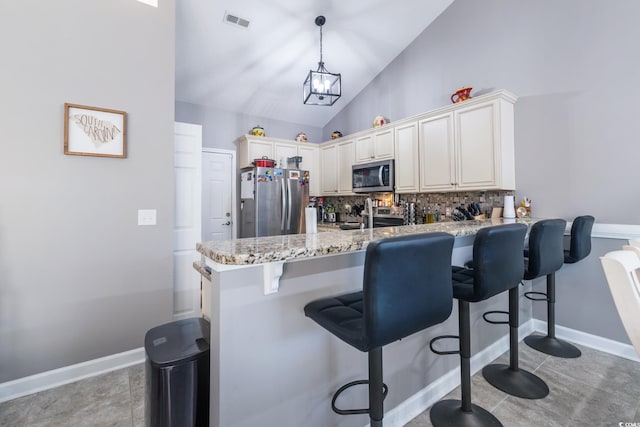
<point x="437" y="214"/>
<point x="429" y="215"/>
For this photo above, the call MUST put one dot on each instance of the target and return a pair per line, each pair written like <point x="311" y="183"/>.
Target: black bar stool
<point x="406" y="288"/>
<point x="546" y="255"/>
<point x="497" y="266"/>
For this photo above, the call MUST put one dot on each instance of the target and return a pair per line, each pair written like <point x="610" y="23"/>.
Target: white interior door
<point x="187" y="219"/>
<point x="218" y="193"/>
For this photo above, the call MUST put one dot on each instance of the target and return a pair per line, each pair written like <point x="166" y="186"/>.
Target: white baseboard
<point x="419" y="402"/>
<point x="68" y="374"/>
<point x="605" y="345"/>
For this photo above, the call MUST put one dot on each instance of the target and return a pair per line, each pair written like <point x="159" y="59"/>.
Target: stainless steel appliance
<point x="373" y="177"/>
<point x="385" y="216"/>
<point x="272" y="201"/>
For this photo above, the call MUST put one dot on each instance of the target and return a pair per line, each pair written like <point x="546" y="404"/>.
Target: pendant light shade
<point x="321" y="86"/>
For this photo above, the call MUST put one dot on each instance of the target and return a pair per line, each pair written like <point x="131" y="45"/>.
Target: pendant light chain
<point x="321" y="62"/>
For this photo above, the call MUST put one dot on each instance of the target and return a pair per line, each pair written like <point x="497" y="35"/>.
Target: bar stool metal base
<point x="517" y="383"/>
<point x="450" y="413"/>
<point x="553" y="346"/>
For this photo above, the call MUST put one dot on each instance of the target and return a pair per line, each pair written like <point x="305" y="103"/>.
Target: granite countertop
<point x="201" y="267"/>
<point x="260" y="250"/>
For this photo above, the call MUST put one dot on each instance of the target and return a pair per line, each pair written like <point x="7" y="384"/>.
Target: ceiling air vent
<point x="232" y="19"/>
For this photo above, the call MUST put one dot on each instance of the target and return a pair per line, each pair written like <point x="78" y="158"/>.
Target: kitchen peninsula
<point x="270" y="365"/>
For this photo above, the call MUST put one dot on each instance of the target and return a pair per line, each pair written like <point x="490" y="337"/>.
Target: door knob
<point x="227" y="223"/>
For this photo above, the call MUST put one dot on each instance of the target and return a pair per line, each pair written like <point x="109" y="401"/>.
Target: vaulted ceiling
<point x="259" y="69"/>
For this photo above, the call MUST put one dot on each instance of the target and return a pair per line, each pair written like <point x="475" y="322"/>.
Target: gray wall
<point x="78" y="278"/>
<point x="570" y="62"/>
<point x="221" y="128"/>
<point x="576" y="123"/>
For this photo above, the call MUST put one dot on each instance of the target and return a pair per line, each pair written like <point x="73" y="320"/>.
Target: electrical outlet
<point x="146" y="217"/>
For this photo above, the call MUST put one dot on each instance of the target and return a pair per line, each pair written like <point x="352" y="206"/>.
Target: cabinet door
<point x="383" y="145"/>
<point x="364" y="149"/>
<point x="406" y="158"/>
<point x="476" y="147"/>
<point x="329" y="176"/>
<point x="282" y="152"/>
<point x="311" y="162"/>
<point x="258" y="149"/>
<point x="437" y="166"/>
<point x="345" y="158"/>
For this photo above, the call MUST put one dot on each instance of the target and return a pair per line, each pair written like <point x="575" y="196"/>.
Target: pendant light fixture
<point x="321" y="87"/>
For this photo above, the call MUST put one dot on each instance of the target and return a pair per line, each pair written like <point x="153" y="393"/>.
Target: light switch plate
<point x="146" y="217"/>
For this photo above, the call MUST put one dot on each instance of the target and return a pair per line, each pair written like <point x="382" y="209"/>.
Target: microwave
<point x="374" y="177"/>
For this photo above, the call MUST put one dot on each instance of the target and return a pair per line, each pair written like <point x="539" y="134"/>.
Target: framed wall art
<point x="93" y="131"/>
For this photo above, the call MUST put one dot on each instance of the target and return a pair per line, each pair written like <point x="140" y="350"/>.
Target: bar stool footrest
<point x="530" y="295"/>
<point x="442" y="353"/>
<point x="337" y="410"/>
<point x="495" y="322"/>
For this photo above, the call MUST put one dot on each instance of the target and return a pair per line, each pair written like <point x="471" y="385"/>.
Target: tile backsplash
<point x="487" y="200"/>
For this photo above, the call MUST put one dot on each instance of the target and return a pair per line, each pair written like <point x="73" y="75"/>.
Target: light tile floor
<point x="114" y="399"/>
<point x="596" y="389"/>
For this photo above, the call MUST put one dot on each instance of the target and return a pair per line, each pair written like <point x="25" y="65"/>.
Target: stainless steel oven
<point x="375" y="177"/>
<point x="387" y="216"/>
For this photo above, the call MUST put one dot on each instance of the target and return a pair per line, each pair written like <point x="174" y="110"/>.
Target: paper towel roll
<point x="311" y="220"/>
<point x="509" y="210"/>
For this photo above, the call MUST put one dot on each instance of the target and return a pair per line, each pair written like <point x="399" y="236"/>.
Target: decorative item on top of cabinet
<point x="301" y="137"/>
<point x="379" y="121"/>
<point x="461" y="94"/>
<point x="336" y="134"/>
<point x="258" y="131"/>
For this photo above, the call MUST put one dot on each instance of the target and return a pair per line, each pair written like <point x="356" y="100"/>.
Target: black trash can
<point x="177" y="374"/>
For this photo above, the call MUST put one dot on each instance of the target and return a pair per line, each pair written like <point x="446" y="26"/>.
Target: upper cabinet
<point x="406" y="157"/>
<point x="336" y="161"/>
<point x="310" y="154"/>
<point x="251" y="148"/>
<point x="376" y="145"/>
<point x="437" y="153"/>
<point x="256" y="147"/>
<point x="470" y="147"/>
<point x="460" y="147"/>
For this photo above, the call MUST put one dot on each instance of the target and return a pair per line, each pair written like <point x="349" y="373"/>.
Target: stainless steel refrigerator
<point x="272" y="201"/>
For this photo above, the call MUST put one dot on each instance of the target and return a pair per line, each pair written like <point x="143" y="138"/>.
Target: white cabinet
<point x="406" y="158"/>
<point x="374" y="146"/>
<point x="485" y="146"/>
<point x="469" y="148"/>
<point x="346" y="158"/>
<point x="329" y="178"/>
<point x="311" y="162"/>
<point x="336" y="161"/>
<point x="250" y="149"/>
<point x="282" y="152"/>
<point x="437" y="153"/>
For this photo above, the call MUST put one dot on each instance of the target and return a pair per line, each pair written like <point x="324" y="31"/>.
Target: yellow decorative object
<point x="257" y="131"/>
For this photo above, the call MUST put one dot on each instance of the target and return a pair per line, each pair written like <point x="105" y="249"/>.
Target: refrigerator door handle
<point x="284" y="208"/>
<point x="289" y="207"/>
